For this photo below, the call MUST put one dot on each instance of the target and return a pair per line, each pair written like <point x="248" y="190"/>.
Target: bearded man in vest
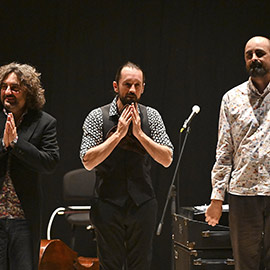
<point x="119" y="140"/>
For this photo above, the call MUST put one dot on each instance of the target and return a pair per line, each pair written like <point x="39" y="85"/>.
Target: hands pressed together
<point x="129" y="114"/>
<point x="10" y="132"/>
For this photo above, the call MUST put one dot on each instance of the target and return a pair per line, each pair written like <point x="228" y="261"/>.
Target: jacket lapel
<point x="28" y="125"/>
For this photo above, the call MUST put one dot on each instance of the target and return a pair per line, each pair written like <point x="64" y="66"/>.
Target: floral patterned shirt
<point x="243" y="150"/>
<point x="10" y="205"/>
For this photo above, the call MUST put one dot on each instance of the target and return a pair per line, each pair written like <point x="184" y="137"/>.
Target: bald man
<point x="243" y="161"/>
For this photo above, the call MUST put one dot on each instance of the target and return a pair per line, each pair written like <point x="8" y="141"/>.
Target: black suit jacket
<point x="35" y="152"/>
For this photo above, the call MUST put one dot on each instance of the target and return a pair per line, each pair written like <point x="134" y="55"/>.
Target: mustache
<point x="8" y="96"/>
<point x="255" y="64"/>
<point x="131" y="95"/>
<point x="131" y="98"/>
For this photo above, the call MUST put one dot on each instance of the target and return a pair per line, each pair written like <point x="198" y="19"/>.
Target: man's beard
<point x="256" y="69"/>
<point x="128" y="99"/>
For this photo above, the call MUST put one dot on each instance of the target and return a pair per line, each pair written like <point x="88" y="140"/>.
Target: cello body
<point x="56" y="255"/>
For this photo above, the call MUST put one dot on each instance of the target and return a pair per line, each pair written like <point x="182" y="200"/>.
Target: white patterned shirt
<point x="93" y="132"/>
<point x="243" y="150"/>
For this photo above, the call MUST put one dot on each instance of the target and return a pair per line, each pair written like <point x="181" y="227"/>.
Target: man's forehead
<point x="129" y="73"/>
<point x="12" y="76"/>
<point x="258" y="43"/>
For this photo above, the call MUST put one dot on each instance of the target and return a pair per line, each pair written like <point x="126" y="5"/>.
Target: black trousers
<point x="249" y="219"/>
<point x="124" y="234"/>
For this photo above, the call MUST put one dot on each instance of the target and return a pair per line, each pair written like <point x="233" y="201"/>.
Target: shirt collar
<point x="252" y="88"/>
<point x="113" y="108"/>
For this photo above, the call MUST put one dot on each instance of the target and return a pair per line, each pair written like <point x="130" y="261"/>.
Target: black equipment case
<point x="199" y="235"/>
<point x="198" y="245"/>
<point x="202" y="259"/>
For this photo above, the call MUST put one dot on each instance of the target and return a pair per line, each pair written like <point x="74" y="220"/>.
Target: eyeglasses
<point x="12" y="88"/>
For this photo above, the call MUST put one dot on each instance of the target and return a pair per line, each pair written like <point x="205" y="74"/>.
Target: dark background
<point x="191" y="51"/>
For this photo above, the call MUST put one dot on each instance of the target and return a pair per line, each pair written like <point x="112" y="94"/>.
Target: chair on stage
<point x="78" y="190"/>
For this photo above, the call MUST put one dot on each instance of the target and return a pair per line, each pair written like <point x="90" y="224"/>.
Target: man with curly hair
<point x="28" y="147"/>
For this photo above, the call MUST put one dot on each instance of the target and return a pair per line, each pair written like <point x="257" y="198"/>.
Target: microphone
<point x="159" y="228"/>
<point x="195" y="110"/>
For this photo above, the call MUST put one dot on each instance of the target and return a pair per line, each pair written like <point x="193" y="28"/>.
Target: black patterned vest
<point x="126" y="171"/>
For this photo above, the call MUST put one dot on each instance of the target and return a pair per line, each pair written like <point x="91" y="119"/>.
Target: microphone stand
<point x="172" y="194"/>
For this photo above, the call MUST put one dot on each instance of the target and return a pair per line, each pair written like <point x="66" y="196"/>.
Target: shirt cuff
<point x="218" y="194"/>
